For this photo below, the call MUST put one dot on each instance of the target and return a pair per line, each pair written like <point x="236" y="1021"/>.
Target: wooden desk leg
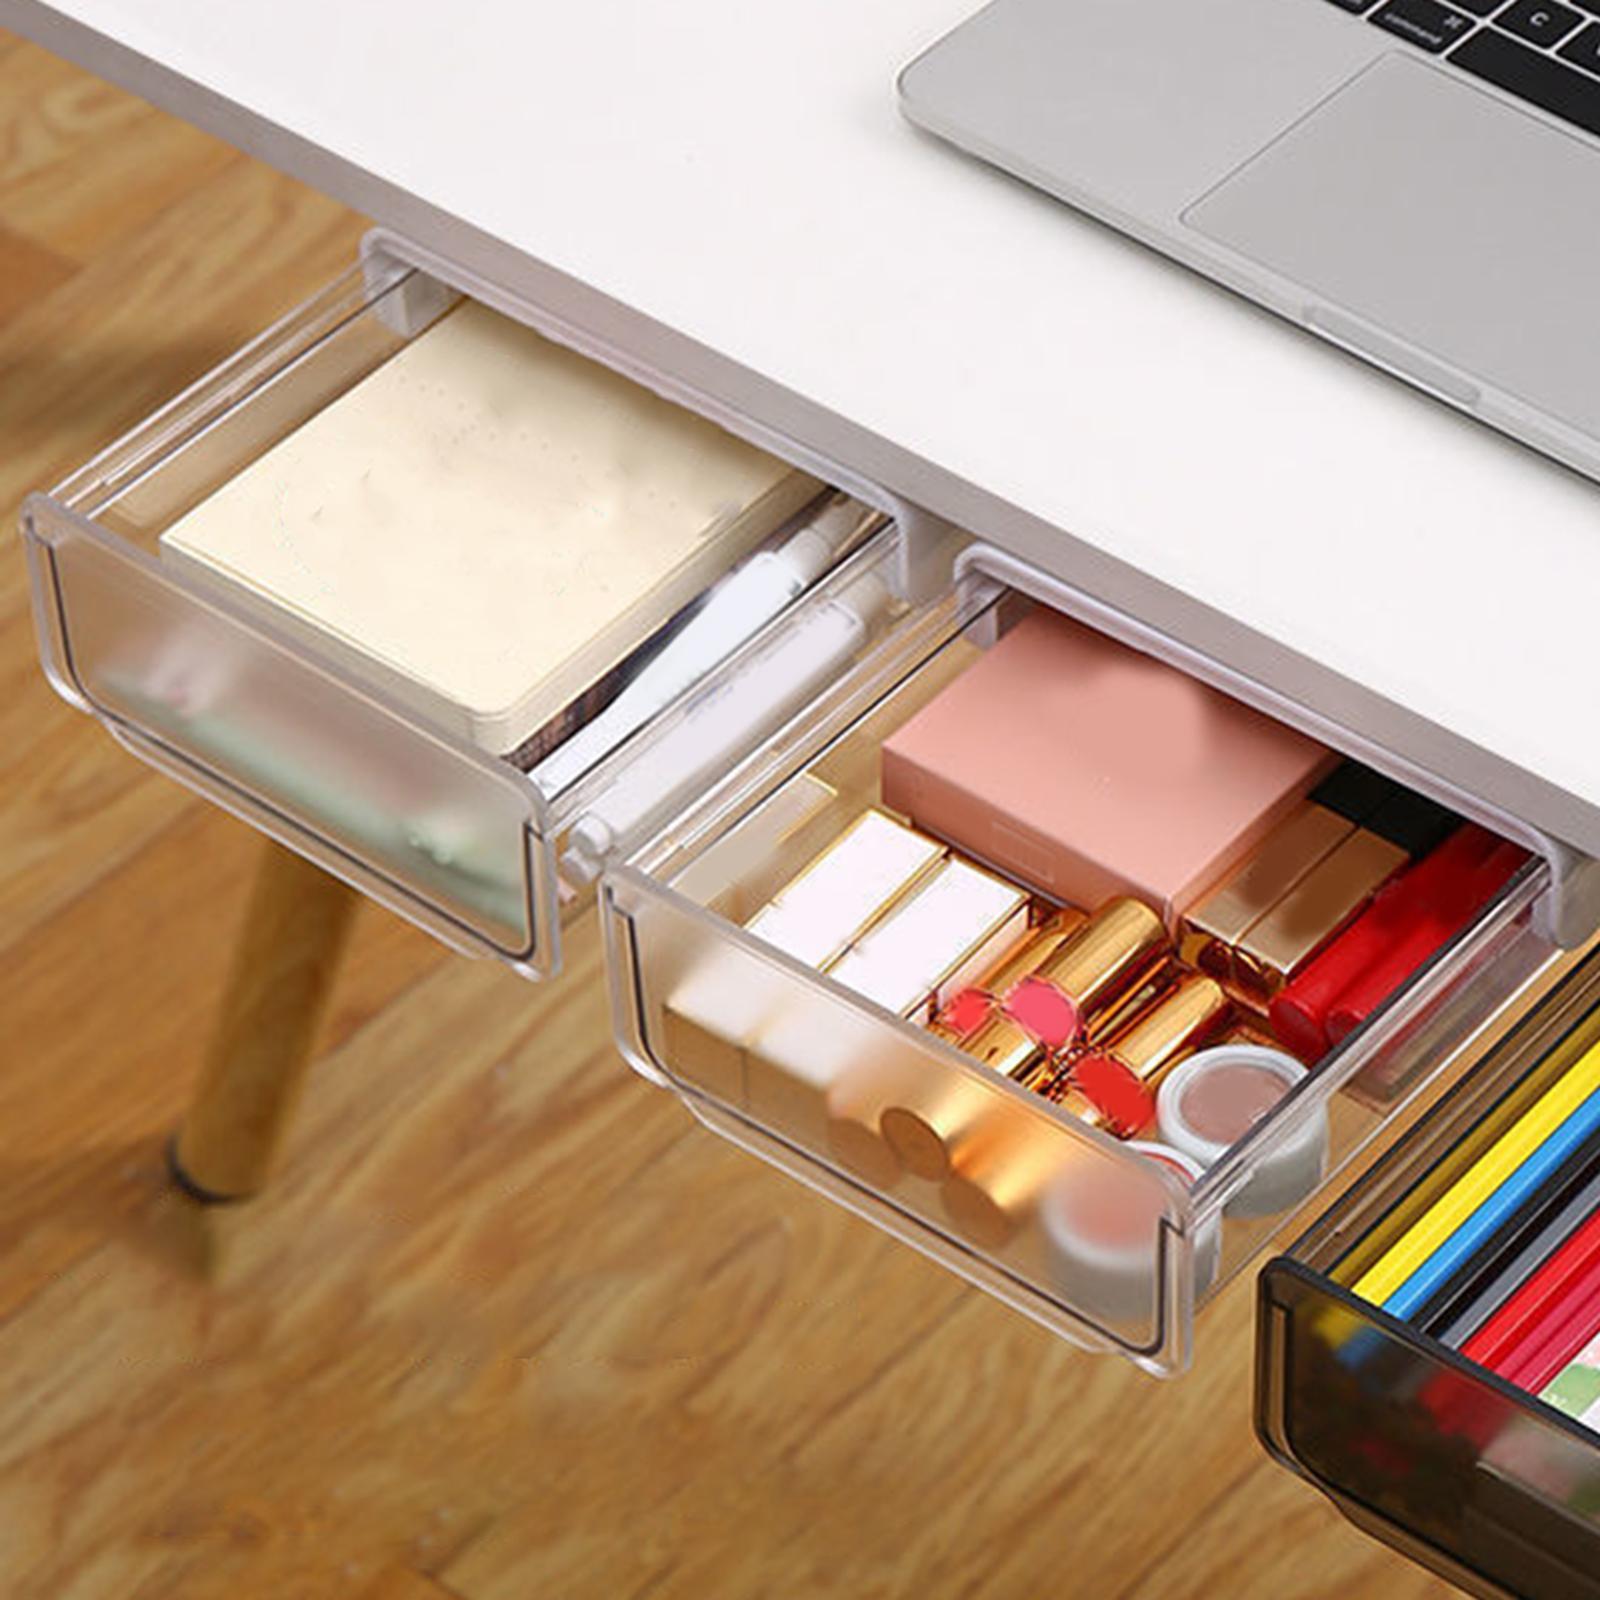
<point x="283" y="972"/>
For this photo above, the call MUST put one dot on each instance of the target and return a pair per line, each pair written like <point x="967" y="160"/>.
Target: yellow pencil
<point x="1480" y="1180"/>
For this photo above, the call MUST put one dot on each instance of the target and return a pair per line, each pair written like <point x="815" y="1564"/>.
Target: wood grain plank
<point x="93" y="1089"/>
<point x="27" y="270"/>
<point x="133" y="328"/>
<point x="980" y="1461"/>
<point x="1296" y="1543"/>
<point x="73" y="804"/>
<point x="83" y="163"/>
<point x="401" y="1583"/>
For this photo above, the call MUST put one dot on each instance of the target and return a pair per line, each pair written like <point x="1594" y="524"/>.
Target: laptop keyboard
<point x="1544" y="51"/>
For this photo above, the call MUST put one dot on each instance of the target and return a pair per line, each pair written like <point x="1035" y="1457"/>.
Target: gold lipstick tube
<point x="942" y="1103"/>
<point x="1212" y="928"/>
<point x="1118" y="1077"/>
<point x="813" y="1074"/>
<point x="860" y="1146"/>
<point x="1024" y="958"/>
<point x="1316" y="909"/>
<point x="1120" y="944"/>
<point x="1188" y="1013"/>
<point x="1109" y="954"/>
<point x="1074" y="1101"/>
<point x="1127" y="1008"/>
<point x="930" y="1119"/>
<point x="1117" y="948"/>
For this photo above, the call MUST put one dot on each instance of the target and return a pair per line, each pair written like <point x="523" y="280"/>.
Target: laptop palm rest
<point x="1413" y="201"/>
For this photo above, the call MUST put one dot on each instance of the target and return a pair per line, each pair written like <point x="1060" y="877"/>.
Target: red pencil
<point x="1541" y="1301"/>
<point x="1435" y="926"/>
<point x="1560" y="1342"/>
<point x="1300" y="1011"/>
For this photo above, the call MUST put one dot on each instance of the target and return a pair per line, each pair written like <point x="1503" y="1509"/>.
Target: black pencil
<point x="1532" y="1235"/>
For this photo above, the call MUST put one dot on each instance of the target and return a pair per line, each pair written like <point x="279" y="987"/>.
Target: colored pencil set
<point x="1503" y="1264"/>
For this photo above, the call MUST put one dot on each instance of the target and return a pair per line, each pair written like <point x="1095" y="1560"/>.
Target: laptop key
<point x="1485" y="8"/>
<point x="1424" y="22"/>
<point x="1584" y="51"/>
<point x="1531" y="75"/>
<point x="1539" y="21"/>
<point x="1356" y="5"/>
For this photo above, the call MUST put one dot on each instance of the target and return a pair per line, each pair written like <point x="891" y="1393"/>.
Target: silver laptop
<point x="1417" y="181"/>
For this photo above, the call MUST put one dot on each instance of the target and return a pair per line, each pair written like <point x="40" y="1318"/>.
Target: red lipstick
<point x="1438" y="924"/>
<point x="1408" y="907"/>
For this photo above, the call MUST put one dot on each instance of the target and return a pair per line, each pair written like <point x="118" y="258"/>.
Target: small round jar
<point x="1208" y="1103"/>
<point x="1103" y="1225"/>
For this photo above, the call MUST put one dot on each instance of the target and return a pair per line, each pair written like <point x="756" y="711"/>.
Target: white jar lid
<point x="1177" y="1119"/>
<point x="1284" y="1173"/>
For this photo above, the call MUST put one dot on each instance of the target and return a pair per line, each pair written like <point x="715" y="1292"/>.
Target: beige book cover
<point x="491" y="521"/>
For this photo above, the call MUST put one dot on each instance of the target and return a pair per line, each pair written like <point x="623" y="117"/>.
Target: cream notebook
<point x="490" y="522"/>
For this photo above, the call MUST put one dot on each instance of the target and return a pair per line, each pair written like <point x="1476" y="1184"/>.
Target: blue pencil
<point x="1481" y="1225"/>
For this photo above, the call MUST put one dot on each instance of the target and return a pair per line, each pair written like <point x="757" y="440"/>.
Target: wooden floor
<point x="510" y="1325"/>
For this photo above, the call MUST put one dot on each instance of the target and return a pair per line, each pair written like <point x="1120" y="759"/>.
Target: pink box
<point x="1087" y="770"/>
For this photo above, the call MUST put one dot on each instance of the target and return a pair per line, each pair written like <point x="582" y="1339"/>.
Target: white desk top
<point x="736" y="183"/>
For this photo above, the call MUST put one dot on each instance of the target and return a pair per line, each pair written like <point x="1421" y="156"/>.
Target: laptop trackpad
<point x="1422" y="205"/>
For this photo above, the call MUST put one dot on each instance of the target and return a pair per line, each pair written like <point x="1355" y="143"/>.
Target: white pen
<point x="728" y="718"/>
<point x="736" y="610"/>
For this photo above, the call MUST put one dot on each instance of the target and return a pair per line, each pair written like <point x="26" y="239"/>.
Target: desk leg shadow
<point x="283" y="973"/>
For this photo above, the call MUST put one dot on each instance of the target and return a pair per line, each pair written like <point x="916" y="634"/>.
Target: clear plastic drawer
<point x="250" y="708"/>
<point x="1058" y="1218"/>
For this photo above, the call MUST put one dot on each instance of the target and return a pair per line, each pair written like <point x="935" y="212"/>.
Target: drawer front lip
<point x="351" y="297"/>
<point x="1428" y="1452"/>
<point x="512" y="925"/>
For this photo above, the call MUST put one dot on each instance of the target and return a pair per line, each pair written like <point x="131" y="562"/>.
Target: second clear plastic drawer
<point x="788" y="1063"/>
